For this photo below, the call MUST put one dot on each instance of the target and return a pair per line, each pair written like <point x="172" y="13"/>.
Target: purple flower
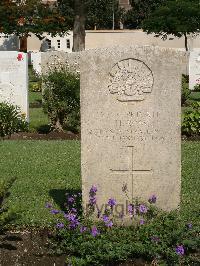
<point x="60" y="225"/>
<point x="70" y="199"/>
<point x="70" y="217"/>
<point x="92" y="200"/>
<point x="142" y="221"/>
<point x="54" y="211"/>
<point x="112" y="202"/>
<point x="93" y="189"/>
<point x="74" y="210"/>
<point x="48" y="205"/>
<point x="109" y="224"/>
<point x="83" y="229"/>
<point x="106" y="219"/>
<point x="155" y="239"/>
<point x="180" y="250"/>
<point x="73" y="224"/>
<point x="189" y="225"/>
<point x="143" y="209"/>
<point x="153" y="199"/>
<point x="95" y="231"/>
<point x="131" y="209"/>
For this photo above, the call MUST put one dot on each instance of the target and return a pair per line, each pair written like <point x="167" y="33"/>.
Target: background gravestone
<point x="14" y="79"/>
<point x="194" y="68"/>
<point x="36" y="62"/>
<point x="51" y="60"/>
<point x="130" y="123"/>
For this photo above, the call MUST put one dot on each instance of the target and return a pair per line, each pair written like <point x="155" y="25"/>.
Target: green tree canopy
<point x="141" y="9"/>
<point x="177" y="17"/>
<point x="22" y="17"/>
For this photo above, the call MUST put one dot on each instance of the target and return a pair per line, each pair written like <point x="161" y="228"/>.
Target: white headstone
<point x="14" y="79"/>
<point x="194" y="68"/>
<point x="36" y="62"/>
<point x="130" y="124"/>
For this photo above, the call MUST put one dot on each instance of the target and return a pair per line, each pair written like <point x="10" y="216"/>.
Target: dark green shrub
<point x="191" y="120"/>
<point x="185" y="92"/>
<point x="11" y="120"/>
<point x="61" y="99"/>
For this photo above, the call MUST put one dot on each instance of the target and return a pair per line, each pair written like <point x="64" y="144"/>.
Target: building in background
<point x="125" y="4"/>
<point x="56" y="43"/>
<point x="9" y="42"/>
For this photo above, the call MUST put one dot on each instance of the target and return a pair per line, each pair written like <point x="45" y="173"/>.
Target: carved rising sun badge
<point x="130" y="80"/>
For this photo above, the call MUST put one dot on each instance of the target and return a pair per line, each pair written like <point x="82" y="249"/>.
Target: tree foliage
<point x="177" y="17"/>
<point x="22" y="17"/>
<point x="141" y="9"/>
<point x="100" y="14"/>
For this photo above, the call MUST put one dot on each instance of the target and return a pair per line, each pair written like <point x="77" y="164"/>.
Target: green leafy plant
<point x="61" y="99"/>
<point x="5" y="215"/>
<point x="100" y="237"/>
<point x="11" y="120"/>
<point x="191" y="120"/>
<point x="197" y="87"/>
<point x="185" y="92"/>
<point x="36" y="86"/>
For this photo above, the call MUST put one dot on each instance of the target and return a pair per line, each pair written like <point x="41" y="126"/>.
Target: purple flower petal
<point x="112" y="202"/>
<point x="54" y="211"/>
<point x="48" y="205"/>
<point x="93" y="189"/>
<point x="153" y="199"/>
<point x="109" y="224"/>
<point x="60" y="225"/>
<point x="142" y="221"/>
<point x="143" y="209"/>
<point x="94" y="231"/>
<point x="180" y="250"/>
<point x="189" y="225"/>
<point x="83" y="229"/>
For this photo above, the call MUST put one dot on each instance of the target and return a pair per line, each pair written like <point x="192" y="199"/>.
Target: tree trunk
<point x="186" y="41"/>
<point x="79" y="26"/>
<point x="23" y="44"/>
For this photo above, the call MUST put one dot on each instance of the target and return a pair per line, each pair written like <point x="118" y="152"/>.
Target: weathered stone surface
<point x="14" y="79"/>
<point x="194" y="68"/>
<point x="36" y="62"/>
<point x="130" y="123"/>
<point x="56" y="59"/>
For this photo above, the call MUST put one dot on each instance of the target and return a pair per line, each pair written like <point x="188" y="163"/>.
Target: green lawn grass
<point x="37" y="119"/>
<point x="35" y="97"/>
<point x="45" y="170"/>
<point x="191" y="180"/>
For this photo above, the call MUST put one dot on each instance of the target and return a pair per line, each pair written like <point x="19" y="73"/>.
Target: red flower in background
<point x="20" y="57"/>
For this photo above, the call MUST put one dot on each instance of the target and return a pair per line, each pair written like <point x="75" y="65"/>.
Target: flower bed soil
<point x="53" y="135"/>
<point x="27" y="248"/>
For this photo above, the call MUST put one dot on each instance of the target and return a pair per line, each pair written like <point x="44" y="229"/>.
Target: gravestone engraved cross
<point x="132" y="171"/>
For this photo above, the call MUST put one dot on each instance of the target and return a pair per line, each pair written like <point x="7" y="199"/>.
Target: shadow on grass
<point x="60" y="196"/>
<point x="44" y="129"/>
